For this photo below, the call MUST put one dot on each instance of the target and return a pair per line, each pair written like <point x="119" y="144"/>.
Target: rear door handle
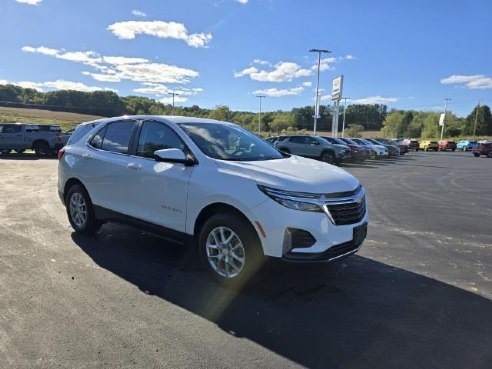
<point x="134" y="166"/>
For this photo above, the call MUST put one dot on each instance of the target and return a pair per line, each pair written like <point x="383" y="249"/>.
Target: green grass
<point x="65" y="120"/>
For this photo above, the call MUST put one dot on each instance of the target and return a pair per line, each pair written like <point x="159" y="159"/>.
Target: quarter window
<point x="157" y="136"/>
<point x="96" y="141"/>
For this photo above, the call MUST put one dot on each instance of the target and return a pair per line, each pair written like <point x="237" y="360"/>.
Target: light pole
<point x="476" y="119"/>
<point x="444" y="119"/>
<point x="174" y="94"/>
<point x="316" y="104"/>
<point x="344" y="108"/>
<point x="259" y="117"/>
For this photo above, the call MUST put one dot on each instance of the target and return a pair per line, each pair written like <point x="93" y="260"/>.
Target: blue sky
<point x="406" y="54"/>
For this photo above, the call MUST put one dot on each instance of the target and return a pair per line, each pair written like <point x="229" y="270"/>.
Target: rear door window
<point x="114" y="137"/>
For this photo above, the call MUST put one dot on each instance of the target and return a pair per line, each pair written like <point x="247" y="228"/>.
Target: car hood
<point x="294" y="173"/>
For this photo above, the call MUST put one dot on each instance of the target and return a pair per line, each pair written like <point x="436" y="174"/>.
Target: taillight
<point x="60" y="153"/>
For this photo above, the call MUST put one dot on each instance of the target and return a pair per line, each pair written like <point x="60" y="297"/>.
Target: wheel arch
<point x="39" y="141"/>
<point x="331" y="151"/>
<point x="218" y="208"/>
<point x="72" y="182"/>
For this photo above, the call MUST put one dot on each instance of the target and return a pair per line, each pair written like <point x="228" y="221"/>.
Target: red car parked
<point x="447" y="145"/>
<point x="483" y="148"/>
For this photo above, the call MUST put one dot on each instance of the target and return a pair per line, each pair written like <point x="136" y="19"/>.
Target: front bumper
<point x="329" y="241"/>
<point x="335" y="252"/>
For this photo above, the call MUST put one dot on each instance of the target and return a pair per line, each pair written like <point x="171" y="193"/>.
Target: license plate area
<point x="360" y="234"/>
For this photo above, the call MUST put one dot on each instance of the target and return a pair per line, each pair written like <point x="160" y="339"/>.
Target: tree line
<point x="358" y="117"/>
<point x="415" y="124"/>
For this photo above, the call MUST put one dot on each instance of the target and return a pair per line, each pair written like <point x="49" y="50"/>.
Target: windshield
<point x="227" y="141"/>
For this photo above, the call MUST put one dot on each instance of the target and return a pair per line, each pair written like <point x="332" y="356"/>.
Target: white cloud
<point x="262" y="62"/>
<point x="275" y="92"/>
<point x="324" y="97"/>
<point x="155" y="72"/>
<point x="158" y="89"/>
<point x="130" y="29"/>
<point x="287" y="71"/>
<point x="282" y="72"/>
<point x="349" y="57"/>
<point x="29" y="2"/>
<point x="474" y="82"/>
<point x="103" y="77"/>
<point x="242" y="1"/>
<point x="40" y="50"/>
<point x="118" y="68"/>
<point x="118" y="60"/>
<point x="4" y="82"/>
<point x="85" y="57"/>
<point x="60" y="84"/>
<point x="138" y="13"/>
<point x="375" y="100"/>
<point x="169" y="100"/>
<point x="325" y="64"/>
<point x="307" y="84"/>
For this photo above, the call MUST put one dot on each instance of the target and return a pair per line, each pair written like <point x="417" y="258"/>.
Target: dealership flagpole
<point x="444" y="118"/>
<point x="316" y="104"/>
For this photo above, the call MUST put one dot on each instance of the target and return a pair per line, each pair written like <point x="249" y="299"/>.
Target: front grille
<point x="348" y="213"/>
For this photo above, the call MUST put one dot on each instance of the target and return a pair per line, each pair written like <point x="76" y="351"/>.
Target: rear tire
<point x="476" y="154"/>
<point x="489" y="155"/>
<point x="80" y="211"/>
<point x="230" y="249"/>
<point x="42" y="149"/>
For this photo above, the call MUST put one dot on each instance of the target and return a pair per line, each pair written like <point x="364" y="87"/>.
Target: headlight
<point x="293" y="200"/>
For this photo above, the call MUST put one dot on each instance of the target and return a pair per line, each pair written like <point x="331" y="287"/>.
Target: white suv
<point x="236" y="197"/>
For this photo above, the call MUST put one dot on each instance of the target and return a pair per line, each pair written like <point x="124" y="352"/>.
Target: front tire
<point x="80" y="211"/>
<point x="328" y="157"/>
<point x="5" y="152"/>
<point x="230" y="249"/>
<point x="476" y="154"/>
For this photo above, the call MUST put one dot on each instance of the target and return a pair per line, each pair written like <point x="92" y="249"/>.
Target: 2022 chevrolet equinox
<point x="234" y="196"/>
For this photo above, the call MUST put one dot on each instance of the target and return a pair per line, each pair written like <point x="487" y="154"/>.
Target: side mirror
<point x="174" y="156"/>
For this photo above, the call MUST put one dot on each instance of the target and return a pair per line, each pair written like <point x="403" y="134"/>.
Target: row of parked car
<point x="335" y="150"/>
<point x="478" y="148"/>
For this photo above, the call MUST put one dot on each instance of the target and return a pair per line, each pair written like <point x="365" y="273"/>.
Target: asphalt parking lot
<point x="418" y="295"/>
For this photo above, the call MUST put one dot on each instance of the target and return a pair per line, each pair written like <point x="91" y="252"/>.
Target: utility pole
<point x="174" y="94"/>
<point x="344" y="108"/>
<point x="476" y="118"/>
<point x="259" y="117"/>
<point x="444" y="120"/>
<point x="316" y="105"/>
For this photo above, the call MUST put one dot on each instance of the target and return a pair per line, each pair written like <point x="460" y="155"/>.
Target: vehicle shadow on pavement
<point x="354" y="313"/>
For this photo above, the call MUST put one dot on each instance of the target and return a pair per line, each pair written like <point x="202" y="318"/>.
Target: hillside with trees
<point x="358" y="117"/>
